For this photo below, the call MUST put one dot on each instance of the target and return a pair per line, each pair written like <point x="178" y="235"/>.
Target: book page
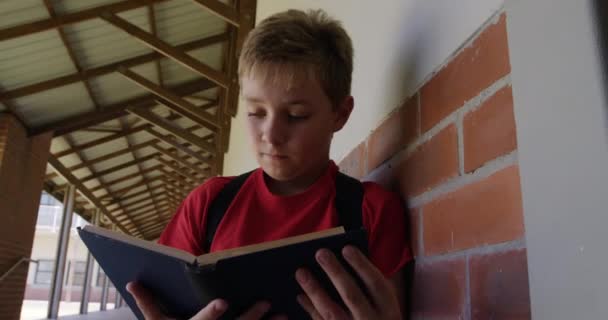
<point x="148" y="245"/>
<point x="213" y="257"/>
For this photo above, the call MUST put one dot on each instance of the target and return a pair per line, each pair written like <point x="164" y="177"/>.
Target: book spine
<point x="204" y="282"/>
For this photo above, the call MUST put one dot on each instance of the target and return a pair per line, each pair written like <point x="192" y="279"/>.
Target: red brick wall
<point x="451" y="152"/>
<point x="22" y="167"/>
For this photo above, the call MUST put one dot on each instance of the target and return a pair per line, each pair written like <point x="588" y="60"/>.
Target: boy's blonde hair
<point x="294" y="43"/>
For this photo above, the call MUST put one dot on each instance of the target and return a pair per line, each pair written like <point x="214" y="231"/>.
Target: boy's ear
<point x="343" y="112"/>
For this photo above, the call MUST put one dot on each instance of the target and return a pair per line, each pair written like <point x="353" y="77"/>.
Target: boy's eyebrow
<point x="301" y="101"/>
<point x="252" y="99"/>
<point x="296" y="101"/>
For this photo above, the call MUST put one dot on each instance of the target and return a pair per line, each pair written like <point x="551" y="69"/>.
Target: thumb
<point x="212" y="311"/>
<point x="145" y="302"/>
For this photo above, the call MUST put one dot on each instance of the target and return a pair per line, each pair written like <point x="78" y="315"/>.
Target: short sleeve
<point x="185" y="231"/>
<point x="385" y="220"/>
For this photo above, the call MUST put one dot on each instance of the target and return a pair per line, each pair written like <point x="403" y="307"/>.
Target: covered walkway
<point x="116" y="108"/>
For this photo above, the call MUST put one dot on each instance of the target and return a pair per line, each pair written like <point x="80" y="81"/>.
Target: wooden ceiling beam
<point x="91" y="13"/>
<point x="119" y="135"/>
<point x="154" y="197"/>
<point x="221" y="10"/>
<point x="118" y="167"/>
<point x="137" y="215"/>
<point x="69" y="177"/>
<point x="108" y="156"/>
<point x="116" y="110"/>
<point x="172" y="128"/>
<point x="177" y="178"/>
<point x="181" y="186"/>
<point x="176" y="103"/>
<point x="174" y="198"/>
<point x="139" y="165"/>
<point x="131" y="211"/>
<point x="100" y="141"/>
<point x="178" y="192"/>
<point x="177" y="184"/>
<point x="126" y="207"/>
<point x="194" y="166"/>
<point x="71" y="53"/>
<point x="134" y="211"/>
<point x="83" y="158"/>
<point x="106" y="69"/>
<point x="166" y="49"/>
<point x="150" y="193"/>
<point x="134" y="195"/>
<point x="128" y="177"/>
<point x="180" y="170"/>
<point x="154" y="223"/>
<point x="153" y="29"/>
<point x="155" y="226"/>
<point x="177" y="197"/>
<point x="143" y="215"/>
<point x="181" y="147"/>
<point x="101" y="130"/>
<point x="246" y="10"/>
<point x="123" y="191"/>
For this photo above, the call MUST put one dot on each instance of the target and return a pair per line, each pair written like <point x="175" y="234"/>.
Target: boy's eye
<point x="296" y="117"/>
<point x="255" y="114"/>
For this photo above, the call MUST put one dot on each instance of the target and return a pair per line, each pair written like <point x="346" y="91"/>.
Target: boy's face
<point x="290" y="129"/>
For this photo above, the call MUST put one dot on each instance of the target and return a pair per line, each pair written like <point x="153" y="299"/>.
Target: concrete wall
<point x="561" y="116"/>
<point x="398" y="44"/>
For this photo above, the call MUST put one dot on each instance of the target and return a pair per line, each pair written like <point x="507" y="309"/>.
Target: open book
<point x="183" y="283"/>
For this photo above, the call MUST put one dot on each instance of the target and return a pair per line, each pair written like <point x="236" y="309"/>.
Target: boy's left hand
<point x="382" y="304"/>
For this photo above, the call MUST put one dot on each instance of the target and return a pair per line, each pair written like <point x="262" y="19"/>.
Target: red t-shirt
<point x="256" y="215"/>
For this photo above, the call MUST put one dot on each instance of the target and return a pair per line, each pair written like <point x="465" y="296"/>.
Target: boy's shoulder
<point x="377" y="195"/>
<point x="210" y="188"/>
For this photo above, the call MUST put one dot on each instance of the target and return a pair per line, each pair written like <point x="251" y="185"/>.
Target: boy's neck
<point x="294" y="186"/>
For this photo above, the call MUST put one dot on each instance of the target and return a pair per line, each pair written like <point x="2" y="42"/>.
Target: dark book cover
<point x="183" y="287"/>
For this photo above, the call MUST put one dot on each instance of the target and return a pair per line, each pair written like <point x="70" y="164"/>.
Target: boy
<point x="295" y="72"/>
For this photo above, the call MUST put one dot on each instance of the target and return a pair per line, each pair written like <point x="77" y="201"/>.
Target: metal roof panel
<point x="17" y="12"/>
<point x="33" y="58"/>
<point x="53" y="105"/>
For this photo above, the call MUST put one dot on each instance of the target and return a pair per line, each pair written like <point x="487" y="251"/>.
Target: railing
<point x="22" y="260"/>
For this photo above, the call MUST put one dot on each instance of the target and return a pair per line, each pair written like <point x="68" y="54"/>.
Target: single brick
<point x="489" y="132"/>
<point x="354" y="163"/>
<point x="399" y="129"/>
<point x="485" y="212"/>
<point x="431" y="164"/>
<point x="439" y="290"/>
<point x="499" y="286"/>
<point x="474" y="69"/>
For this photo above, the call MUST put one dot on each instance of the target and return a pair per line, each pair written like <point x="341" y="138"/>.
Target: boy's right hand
<point x="212" y="311"/>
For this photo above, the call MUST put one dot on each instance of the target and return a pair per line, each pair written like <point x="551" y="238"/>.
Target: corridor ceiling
<point x="138" y="96"/>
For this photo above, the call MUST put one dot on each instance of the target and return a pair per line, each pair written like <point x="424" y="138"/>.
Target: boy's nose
<point x="275" y="131"/>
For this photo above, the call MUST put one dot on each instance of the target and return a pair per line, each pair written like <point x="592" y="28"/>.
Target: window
<point x="48" y="200"/>
<point x="48" y="217"/>
<point x="79" y="271"/>
<point x="44" y="272"/>
<point x="100" y="276"/>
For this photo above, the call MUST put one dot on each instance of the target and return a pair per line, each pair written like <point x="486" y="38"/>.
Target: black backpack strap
<point x="349" y="201"/>
<point x="220" y="205"/>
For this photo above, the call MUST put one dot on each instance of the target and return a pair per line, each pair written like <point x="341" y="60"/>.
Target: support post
<point x="86" y="286"/>
<point x="62" y="248"/>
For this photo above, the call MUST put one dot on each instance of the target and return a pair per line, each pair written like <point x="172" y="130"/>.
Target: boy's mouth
<point x="275" y="156"/>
